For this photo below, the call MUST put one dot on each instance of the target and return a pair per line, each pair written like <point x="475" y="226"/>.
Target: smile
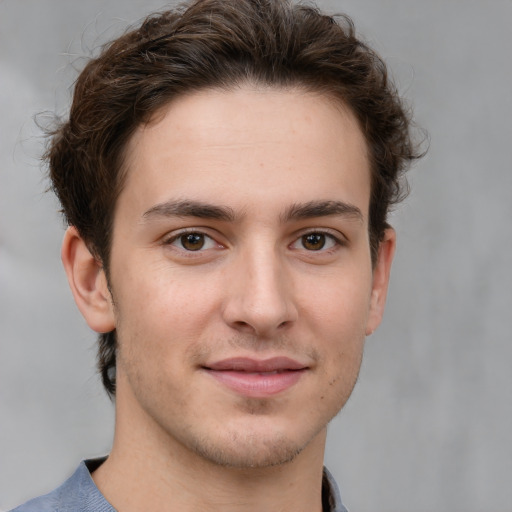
<point x="256" y="378"/>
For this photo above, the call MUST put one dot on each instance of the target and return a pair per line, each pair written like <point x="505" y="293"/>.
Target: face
<point x="241" y="273"/>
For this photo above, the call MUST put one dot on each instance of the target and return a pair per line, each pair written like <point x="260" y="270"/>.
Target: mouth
<point x="257" y="378"/>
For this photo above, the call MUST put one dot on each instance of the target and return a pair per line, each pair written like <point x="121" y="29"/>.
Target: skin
<point x="269" y="277"/>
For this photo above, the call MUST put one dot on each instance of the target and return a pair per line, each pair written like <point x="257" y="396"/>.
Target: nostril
<point x="243" y="326"/>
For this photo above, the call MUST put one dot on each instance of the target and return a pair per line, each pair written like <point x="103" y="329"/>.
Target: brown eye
<point x="192" y="241"/>
<point x="313" y="241"/>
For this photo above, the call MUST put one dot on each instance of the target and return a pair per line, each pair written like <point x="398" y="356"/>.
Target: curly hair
<point x="218" y="44"/>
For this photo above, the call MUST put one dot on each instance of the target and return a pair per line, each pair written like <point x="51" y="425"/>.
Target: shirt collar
<point x="331" y="497"/>
<point x="94" y="500"/>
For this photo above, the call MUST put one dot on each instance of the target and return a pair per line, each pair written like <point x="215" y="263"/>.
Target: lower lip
<point x="257" y="385"/>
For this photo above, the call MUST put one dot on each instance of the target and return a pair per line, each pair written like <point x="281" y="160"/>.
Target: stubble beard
<point x="248" y="450"/>
<point x="241" y="449"/>
<point x="254" y="453"/>
<point x="245" y="448"/>
<point x="252" y="450"/>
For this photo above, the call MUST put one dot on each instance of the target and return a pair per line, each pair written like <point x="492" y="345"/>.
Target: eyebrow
<point x="311" y="209"/>
<point x="297" y="211"/>
<point x="190" y="209"/>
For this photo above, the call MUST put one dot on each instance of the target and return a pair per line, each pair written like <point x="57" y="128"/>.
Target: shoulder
<point x="77" y="494"/>
<point x="41" y="504"/>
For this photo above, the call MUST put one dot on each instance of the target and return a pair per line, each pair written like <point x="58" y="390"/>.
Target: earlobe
<point x="381" y="275"/>
<point x="88" y="282"/>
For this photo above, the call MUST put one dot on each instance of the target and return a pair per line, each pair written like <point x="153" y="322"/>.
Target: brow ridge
<point x="311" y="209"/>
<point x="188" y="208"/>
<point x="295" y="212"/>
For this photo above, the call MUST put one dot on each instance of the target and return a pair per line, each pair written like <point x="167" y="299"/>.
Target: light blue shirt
<point x="80" y="494"/>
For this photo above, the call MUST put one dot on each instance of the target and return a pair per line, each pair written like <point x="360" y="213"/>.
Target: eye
<point x="192" y="241"/>
<point x="316" y="241"/>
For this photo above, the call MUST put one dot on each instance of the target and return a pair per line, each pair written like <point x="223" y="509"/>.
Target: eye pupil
<point x="313" y="241"/>
<point x="192" y="241"/>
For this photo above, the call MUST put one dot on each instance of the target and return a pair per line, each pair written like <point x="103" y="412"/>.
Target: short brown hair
<point x="221" y="44"/>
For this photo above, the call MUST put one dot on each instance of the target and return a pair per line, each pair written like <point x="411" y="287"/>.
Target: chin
<point x="248" y="452"/>
<point x="251" y="449"/>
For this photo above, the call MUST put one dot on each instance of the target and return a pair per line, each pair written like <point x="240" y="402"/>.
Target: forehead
<point x="249" y="146"/>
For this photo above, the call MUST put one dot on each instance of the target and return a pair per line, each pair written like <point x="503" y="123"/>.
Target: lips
<point x="257" y="378"/>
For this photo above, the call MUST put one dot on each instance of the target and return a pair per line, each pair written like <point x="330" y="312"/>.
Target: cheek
<point x="342" y="364"/>
<point x="340" y="306"/>
<point x="340" y="321"/>
<point x="166" y="312"/>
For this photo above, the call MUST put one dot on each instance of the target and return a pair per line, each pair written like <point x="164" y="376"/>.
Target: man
<point x="226" y="173"/>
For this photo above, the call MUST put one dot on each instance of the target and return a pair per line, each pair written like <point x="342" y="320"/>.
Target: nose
<point x="260" y="295"/>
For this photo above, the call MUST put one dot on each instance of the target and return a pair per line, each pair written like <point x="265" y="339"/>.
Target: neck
<point x="147" y="469"/>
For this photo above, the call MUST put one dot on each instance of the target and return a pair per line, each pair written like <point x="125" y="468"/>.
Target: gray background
<point x="429" y="424"/>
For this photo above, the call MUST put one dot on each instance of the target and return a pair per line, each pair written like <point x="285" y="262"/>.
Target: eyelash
<point x="177" y="236"/>
<point x="337" y="241"/>
<point x="327" y="236"/>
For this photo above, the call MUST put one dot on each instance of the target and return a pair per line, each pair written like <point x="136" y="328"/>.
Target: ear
<point x="381" y="274"/>
<point x="88" y="282"/>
